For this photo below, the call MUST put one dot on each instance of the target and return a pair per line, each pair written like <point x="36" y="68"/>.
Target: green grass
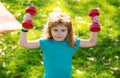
<point x="101" y="61"/>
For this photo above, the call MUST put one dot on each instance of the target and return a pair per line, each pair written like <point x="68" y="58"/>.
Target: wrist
<point x="24" y="30"/>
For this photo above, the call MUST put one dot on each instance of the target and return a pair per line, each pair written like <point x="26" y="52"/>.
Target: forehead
<point x="59" y="27"/>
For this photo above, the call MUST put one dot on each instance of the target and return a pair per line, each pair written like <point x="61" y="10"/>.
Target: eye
<point x="55" y="30"/>
<point x="63" y="30"/>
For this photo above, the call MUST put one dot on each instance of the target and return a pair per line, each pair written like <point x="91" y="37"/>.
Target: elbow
<point x="23" y="44"/>
<point x="93" y="44"/>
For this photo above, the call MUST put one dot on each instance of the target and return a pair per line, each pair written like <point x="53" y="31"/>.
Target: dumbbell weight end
<point x="95" y="27"/>
<point x="27" y="24"/>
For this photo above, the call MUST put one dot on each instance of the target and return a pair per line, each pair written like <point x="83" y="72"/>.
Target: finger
<point x="96" y="19"/>
<point x="27" y="16"/>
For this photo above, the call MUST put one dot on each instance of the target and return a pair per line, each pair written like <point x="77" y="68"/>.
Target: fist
<point x="27" y="16"/>
<point x="95" y="19"/>
<point x="27" y="21"/>
<point x="95" y="26"/>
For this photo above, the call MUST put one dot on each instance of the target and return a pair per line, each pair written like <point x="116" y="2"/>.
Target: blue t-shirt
<point x="57" y="58"/>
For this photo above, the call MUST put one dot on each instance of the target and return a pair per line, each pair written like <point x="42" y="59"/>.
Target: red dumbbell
<point x="27" y="23"/>
<point x="94" y="27"/>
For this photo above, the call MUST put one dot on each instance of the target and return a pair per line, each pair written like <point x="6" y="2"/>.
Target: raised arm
<point x="28" y="24"/>
<point x="94" y="28"/>
<point x="91" y="41"/>
<point x="28" y="44"/>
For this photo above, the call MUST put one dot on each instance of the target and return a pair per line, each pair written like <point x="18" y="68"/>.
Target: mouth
<point x="58" y="37"/>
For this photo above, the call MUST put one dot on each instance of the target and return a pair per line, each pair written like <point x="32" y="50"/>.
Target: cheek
<point x="53" y="33"/>
<point x="65" y="33"/>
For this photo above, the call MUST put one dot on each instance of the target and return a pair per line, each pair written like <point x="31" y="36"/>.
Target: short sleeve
<point x="43" y="44"/>
<point x="77" y="44"/>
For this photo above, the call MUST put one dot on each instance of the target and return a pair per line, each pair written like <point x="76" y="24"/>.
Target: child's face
<point x="59" y="33"/>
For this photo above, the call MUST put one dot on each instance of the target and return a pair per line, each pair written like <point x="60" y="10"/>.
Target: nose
<point x="59" y="33"/>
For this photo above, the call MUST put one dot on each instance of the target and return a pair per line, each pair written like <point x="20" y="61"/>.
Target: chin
<point x="59" y="39"/>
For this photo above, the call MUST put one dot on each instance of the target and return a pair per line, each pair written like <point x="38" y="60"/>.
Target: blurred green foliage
<point x="101" y="61"/>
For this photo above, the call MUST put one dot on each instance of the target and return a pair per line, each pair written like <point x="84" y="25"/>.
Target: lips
<point x="58" y="37"/>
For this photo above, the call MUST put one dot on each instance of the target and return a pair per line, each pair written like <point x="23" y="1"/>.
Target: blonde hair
<point x="56" y="19"/>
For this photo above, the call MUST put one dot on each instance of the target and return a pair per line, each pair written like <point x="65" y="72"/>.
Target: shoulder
<point x="45" y="41"/>
<point x="77" y="41"/>
<point x="42" y="40"/>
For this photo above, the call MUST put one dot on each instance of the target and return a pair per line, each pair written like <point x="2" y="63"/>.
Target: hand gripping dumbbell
<point x="94" y="27"/>
<point x="27" y="23"/>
